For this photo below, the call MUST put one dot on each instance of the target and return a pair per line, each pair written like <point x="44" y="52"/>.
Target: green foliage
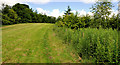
<point x="68" y="11"/>
<point x="113" y="22"/>
<point x="5" y="9"/>
<point x="92" y="44"/>
<point x="5" y="22"/>
<point x="21" y="13"/>
<point x="10" y="18"/>
<point x="100" y="19"/>
<point x="59" y="24"/>
<point x="73" y="21"/>
<point x="101" y="11"/>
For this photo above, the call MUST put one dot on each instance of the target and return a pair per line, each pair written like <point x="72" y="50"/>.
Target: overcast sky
<point x="57" y="7"/>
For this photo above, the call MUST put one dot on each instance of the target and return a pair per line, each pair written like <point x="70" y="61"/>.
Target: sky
<point x="57" y="7"/>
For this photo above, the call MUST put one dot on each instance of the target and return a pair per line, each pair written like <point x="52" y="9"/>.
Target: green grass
<point x="34" y="43"/>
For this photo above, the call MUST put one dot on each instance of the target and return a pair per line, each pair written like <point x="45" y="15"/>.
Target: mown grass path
<point x="34" y="43"/>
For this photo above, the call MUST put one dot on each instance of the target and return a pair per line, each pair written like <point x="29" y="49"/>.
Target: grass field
<point x="34" y="43"/>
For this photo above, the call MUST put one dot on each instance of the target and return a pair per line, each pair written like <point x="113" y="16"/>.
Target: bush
<point x="100" y="45"/>
<point x="6" y="22"/>
<point x="59" y="24"/>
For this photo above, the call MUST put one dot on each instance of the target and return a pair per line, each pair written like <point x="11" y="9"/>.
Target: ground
<point x="34" y="43"/>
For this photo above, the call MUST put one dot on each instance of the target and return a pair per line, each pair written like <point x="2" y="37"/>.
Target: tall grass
<point x="97" y="45"/>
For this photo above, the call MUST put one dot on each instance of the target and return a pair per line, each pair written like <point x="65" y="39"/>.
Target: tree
<point x="9" y="16"/>
<point x="0" y="17"/>
<point x="68" y="11"/>
<point x="5" y="8"/>
<point x="13" y="16"/>
<point x="39" y="17"/>
<point x="59" y="18"/>
<point x="101" y="11"/>
<point x="6" y="20"/>
<point x="23" y="12"/>
<point x="117" y="23"/>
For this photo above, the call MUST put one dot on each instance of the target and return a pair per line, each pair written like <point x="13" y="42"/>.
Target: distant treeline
<point x="21" y="13"/>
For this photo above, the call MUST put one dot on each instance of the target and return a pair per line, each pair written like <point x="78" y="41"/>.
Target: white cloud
<point x="57" y="12"/>
<point x="9" y="2"/>
<point x="74" y="11"/>
<point x="84" y="1"/>
<point x="39" y="1"/>
<point x="114" y="0"/>
<point x="87" y="1"/>
<point x="12" y="2"/>
<point x="82" y="12"/>
<point x="54" y="12"/>
<point x="40" y="10"/>
<point x="93" y="1"/>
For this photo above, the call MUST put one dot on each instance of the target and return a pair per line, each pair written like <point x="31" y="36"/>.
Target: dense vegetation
<point x="21" y="13"/>
<point x="92" y="44"/>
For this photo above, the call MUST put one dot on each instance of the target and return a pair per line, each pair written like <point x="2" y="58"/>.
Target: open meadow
<point x="34" y="43"/>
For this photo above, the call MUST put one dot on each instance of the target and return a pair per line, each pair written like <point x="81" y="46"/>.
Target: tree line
<point x="100" y="19"/>
<point x="21" y="13"/>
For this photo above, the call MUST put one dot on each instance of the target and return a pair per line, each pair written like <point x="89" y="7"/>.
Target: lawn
<point x="34" y="43"/>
